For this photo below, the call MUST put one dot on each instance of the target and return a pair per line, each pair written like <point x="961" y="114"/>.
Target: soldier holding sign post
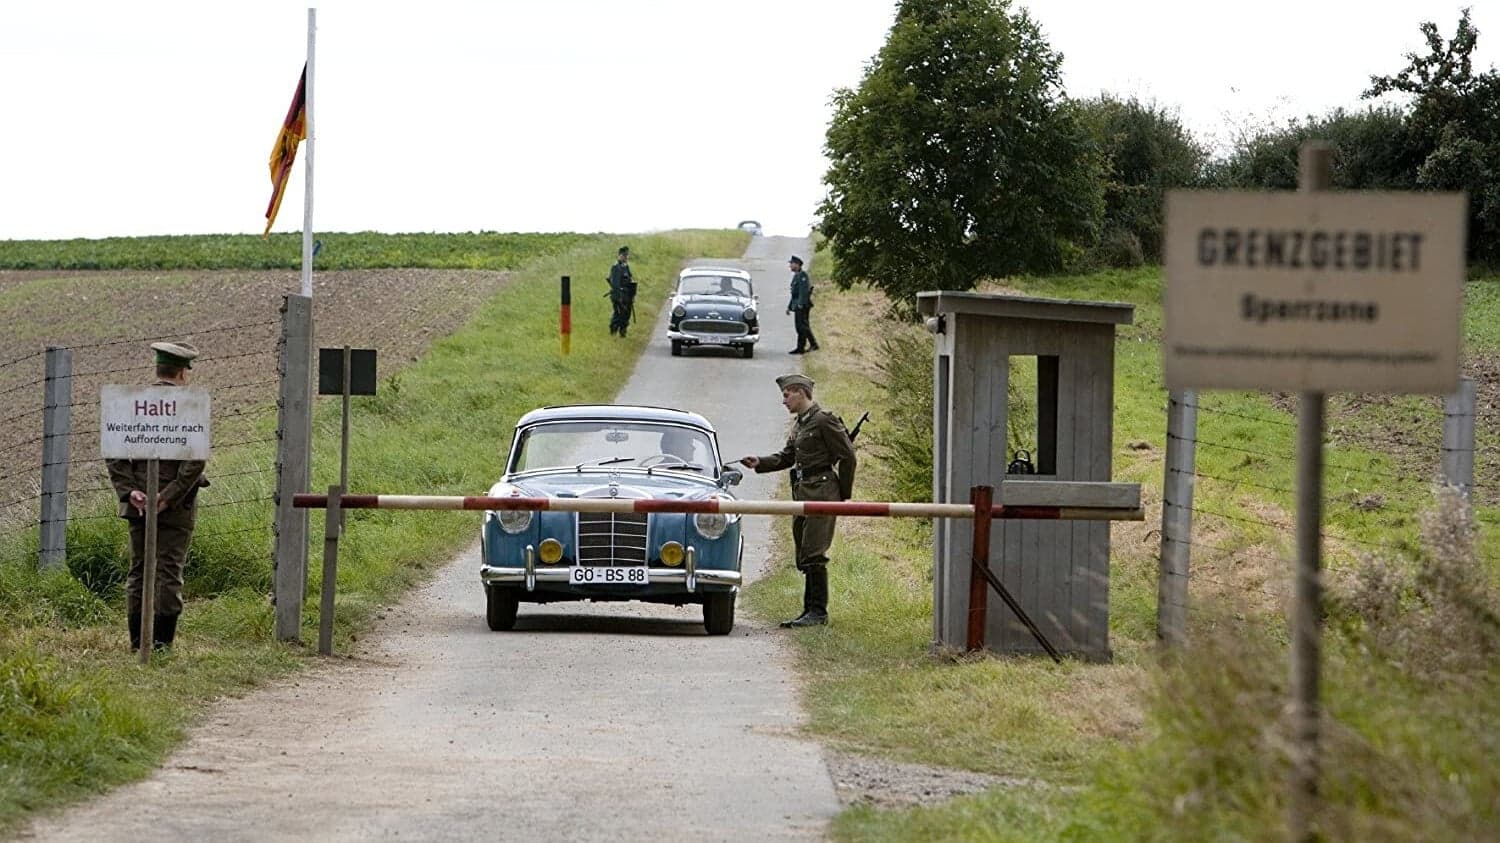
<point x="176" y="513"/>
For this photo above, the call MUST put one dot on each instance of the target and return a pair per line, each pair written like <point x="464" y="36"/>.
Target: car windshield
<point x="709" y="285"/>
<point x="636" y="444"/>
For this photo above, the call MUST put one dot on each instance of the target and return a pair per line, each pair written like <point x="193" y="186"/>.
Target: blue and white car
<point x="714" y="306"/>
<point x="614" y="452"/>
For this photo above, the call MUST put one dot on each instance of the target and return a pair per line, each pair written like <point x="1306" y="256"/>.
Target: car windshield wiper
<point x="603" y="461"/>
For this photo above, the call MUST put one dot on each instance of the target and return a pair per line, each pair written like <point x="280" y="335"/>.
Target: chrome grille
<point x="712" y="326"/>
<point x="609" y="538"/>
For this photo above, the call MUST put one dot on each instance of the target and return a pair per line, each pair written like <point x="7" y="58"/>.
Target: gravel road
<point x="589" y="722"/>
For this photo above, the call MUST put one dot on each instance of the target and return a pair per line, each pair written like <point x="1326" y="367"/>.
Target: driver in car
<point x="678" y="443"/>
<point x="726" y="286"/>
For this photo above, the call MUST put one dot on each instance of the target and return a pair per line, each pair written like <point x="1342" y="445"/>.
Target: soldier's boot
<point x="133" y="623"/>
<point x="814" y="598"/>
<point x="164" y="629"/>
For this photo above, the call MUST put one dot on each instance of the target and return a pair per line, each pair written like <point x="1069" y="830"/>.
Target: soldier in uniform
<point x="821" y="458"/>
<point x="621" y="292"/>
<point x="177" y="497"/>
<point x="800" y="307"/>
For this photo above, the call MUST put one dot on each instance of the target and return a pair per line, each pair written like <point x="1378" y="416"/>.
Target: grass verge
<point x="1187" y="749"/>
<point x="79" y="716"/>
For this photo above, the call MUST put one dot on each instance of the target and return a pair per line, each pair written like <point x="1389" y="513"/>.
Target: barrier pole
<point x="148" y="561"/>
<point x="981" y="497"/>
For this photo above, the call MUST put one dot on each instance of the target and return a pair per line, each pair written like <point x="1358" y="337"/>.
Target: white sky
<point x="135" y="118"/>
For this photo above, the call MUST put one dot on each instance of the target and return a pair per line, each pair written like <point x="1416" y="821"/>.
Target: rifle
<point x="854" y="434"/>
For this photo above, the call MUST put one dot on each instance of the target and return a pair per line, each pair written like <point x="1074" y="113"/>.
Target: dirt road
<point x="589" y="722"/>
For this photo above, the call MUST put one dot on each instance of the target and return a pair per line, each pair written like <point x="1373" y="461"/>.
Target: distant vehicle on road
<point x="714" y="306"/>
<point x="612" y="452"/>
<point x="751" y="226"/>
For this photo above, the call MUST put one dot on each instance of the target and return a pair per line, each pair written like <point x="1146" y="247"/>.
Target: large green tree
<point x="958" y="157"/>
<point x="1455" y="124"/>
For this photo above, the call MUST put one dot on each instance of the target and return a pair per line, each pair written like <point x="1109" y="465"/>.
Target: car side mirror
<point x="731" y="477"/>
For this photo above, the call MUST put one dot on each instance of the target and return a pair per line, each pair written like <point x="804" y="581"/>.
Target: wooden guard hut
<point x="1063" y="353"/>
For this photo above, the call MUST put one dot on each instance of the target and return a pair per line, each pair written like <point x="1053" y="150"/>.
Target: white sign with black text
<point x="1320" y="291"/>
<point x="153" y="422"/>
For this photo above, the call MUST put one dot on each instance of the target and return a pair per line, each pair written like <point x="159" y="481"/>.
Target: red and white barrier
<point x="873" y="509"/>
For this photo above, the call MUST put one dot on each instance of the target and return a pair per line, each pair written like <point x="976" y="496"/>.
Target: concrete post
<point x="57" y="429"/>
<point x="1458" y="437"/>
<point x="1177" y="519"/>
<point x="293" y="463"/>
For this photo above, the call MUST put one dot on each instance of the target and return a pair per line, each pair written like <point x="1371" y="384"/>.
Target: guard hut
<point x="1057" y="570"/>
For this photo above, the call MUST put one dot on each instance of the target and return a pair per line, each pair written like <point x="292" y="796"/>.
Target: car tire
<point x="676" y="348"/>
<point x="500" y="607"/>
<point x="718" y="612"/>
<point x="747" y="351"/>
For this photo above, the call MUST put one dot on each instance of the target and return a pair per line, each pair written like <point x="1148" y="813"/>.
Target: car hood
<point x="631" y="484"/>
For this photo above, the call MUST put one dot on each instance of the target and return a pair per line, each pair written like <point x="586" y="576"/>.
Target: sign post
<point x="152" y="423"/>
<point x="1314" y="292"/>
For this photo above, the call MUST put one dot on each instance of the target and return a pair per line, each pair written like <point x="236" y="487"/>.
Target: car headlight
<point x="749" y="314"/>
<point x="710" y="525"/>
<point x="514" y="521"/>
<point x="679" y="311"/>
<point x="671" y="554"/>
<point x="550" y="551"/>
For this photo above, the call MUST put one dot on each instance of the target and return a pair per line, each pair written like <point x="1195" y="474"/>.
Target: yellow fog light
<point x="550" y="550"/>
<point x="671" y="554"/>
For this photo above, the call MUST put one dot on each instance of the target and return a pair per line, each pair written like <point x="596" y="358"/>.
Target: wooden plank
<point x="1070" y="493"/>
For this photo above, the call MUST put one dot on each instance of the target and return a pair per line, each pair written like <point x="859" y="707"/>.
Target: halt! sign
<point x="1321" y="292"/>
<point x="153" y="422"/>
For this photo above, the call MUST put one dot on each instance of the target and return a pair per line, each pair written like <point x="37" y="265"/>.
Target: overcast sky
<point x="134" y="118"/>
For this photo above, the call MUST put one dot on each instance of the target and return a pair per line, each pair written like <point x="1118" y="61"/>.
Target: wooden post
<point x="294" y="434"/>
<point x="1458" y="437"/>
<point x="57" y="428"/>
<point x="344" y="435"/>
<point x="330" y="570"/>
<point x="982" y="498"/>
<point x="148" y="561"/>
<point x="1307" y="594"/>
<point x="1177" y="519"/>
<point x="565" y="315"/>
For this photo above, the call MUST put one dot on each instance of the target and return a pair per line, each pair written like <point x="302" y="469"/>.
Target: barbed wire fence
<point x="1232" y="540"/>
<point x="57" y="493"/>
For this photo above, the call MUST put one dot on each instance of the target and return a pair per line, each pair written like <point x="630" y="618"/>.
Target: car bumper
<point x="531" y="573"/>
<point x="713" y="339"/>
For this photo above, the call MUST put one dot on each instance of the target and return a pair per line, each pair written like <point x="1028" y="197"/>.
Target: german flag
<point x="293" y="130"/>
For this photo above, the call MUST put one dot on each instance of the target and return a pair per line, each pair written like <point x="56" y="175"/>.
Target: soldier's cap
<point x="794" y="380"/>
<point x="175" y="353"/>
<point x="794" y="259"/>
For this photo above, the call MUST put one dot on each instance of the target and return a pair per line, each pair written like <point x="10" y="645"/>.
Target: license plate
<point x="713" y="340"/>
<point x="633" y="575"/>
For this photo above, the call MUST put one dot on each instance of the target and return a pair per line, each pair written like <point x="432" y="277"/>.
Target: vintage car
<point x="620" y="453"/>
<point x="714" y="306"/>
<point x="751" y="226"/>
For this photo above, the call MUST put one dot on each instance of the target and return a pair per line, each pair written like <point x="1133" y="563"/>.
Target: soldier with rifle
<point x="820" y="454"/>
<point x="621" y="293"/>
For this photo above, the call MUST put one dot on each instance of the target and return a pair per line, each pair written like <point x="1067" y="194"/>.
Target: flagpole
<point x="307" y="202"/>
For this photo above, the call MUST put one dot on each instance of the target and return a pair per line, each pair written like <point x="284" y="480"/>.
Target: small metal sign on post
<point x="152" y="423"/>
<point x="1313" y="291"/>
<point x="341" y="371"/>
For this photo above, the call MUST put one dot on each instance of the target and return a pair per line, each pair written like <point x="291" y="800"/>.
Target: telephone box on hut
<point x="1057" y="570"/>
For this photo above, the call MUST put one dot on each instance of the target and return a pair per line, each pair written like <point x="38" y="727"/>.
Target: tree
<point x="958" y="156"/>
<point x="1147" y="152"/>
<point x="1454" y="124"/>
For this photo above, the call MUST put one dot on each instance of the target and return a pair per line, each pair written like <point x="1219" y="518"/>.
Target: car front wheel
<point x="718" y="612"/>
<point x="747" y="351"/>
<point x="501" y="605"/>
<point x="676" y="348"/>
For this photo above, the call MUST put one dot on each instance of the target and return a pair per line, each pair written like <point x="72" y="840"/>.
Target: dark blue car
<point x="622" y="453"/>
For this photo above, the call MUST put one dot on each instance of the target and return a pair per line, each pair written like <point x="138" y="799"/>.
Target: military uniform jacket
<point x="178" y="482"/>
<point x="820" y="449"/>
<point x="801" y="292"/>
<point x="621" y="282"/>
